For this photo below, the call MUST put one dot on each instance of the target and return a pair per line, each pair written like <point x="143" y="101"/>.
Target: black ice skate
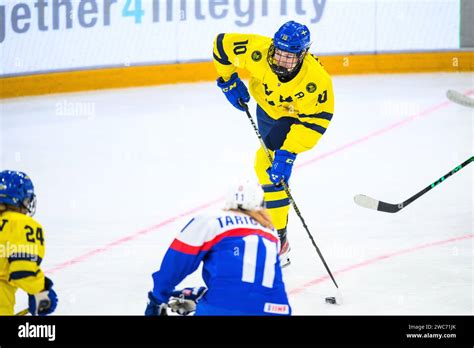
<point x="284" y="249"/>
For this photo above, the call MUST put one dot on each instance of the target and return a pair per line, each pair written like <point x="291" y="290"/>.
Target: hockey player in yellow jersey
<point x="295" y="104"/>
<point x="22" y="246"/>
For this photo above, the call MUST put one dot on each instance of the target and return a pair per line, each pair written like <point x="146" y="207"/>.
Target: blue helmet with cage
<point x="294" y="40"/>
<point x="16" y="189"/>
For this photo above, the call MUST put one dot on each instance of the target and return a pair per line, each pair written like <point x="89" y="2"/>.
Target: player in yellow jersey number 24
<point x="22" y="246"/>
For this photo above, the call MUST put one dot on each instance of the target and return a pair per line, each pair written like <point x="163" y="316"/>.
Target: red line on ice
<point x="162" y="224"/>
<point x="376" y="259"/>
<point x="376" y="133"/>
<point x="130" y="237"/>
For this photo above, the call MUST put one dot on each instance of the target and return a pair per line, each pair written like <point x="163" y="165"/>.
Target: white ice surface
<point x="144" y="157"/>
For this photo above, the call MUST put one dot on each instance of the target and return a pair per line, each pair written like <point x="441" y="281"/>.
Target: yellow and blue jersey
<point x="22" y="248"/>
<point x="304" y="105"/>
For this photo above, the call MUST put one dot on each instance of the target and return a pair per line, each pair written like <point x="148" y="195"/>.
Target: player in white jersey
<point x="241" y="269"/>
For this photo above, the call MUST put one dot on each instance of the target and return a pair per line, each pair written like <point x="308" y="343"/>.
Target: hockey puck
<point x="331" y="300"/>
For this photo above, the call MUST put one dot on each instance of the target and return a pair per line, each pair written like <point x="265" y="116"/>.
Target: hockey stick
<point x="23" y="312"/>
<point x="287" y="190"/>
<point x="460" y="98"/>
<point x="372" y="203"/>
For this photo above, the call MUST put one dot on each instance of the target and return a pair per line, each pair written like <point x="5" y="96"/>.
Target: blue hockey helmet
<point x="16" y="189"/>
<point x="287" y="51"/>
<point x="292" y="37"/>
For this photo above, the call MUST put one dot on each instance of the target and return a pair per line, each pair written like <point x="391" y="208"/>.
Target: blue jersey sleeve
<point x="182" y="258"/>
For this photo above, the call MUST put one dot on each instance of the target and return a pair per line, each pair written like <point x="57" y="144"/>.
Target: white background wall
<point x="173" y="31"/>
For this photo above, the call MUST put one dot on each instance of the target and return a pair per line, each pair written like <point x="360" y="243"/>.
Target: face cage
<point x="279" y="70"/>
<point x="30" y="206"/>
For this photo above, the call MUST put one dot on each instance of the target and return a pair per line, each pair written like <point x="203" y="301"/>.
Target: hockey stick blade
<point x="372" y="203"/>
<point x="460" y="98"/>
<point x="23" y="312"/>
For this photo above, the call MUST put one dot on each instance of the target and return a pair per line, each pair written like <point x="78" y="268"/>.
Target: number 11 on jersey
<point x="250" y="261"/>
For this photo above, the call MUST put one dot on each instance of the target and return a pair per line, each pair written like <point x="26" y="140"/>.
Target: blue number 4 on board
<point x="137" y="12"/>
